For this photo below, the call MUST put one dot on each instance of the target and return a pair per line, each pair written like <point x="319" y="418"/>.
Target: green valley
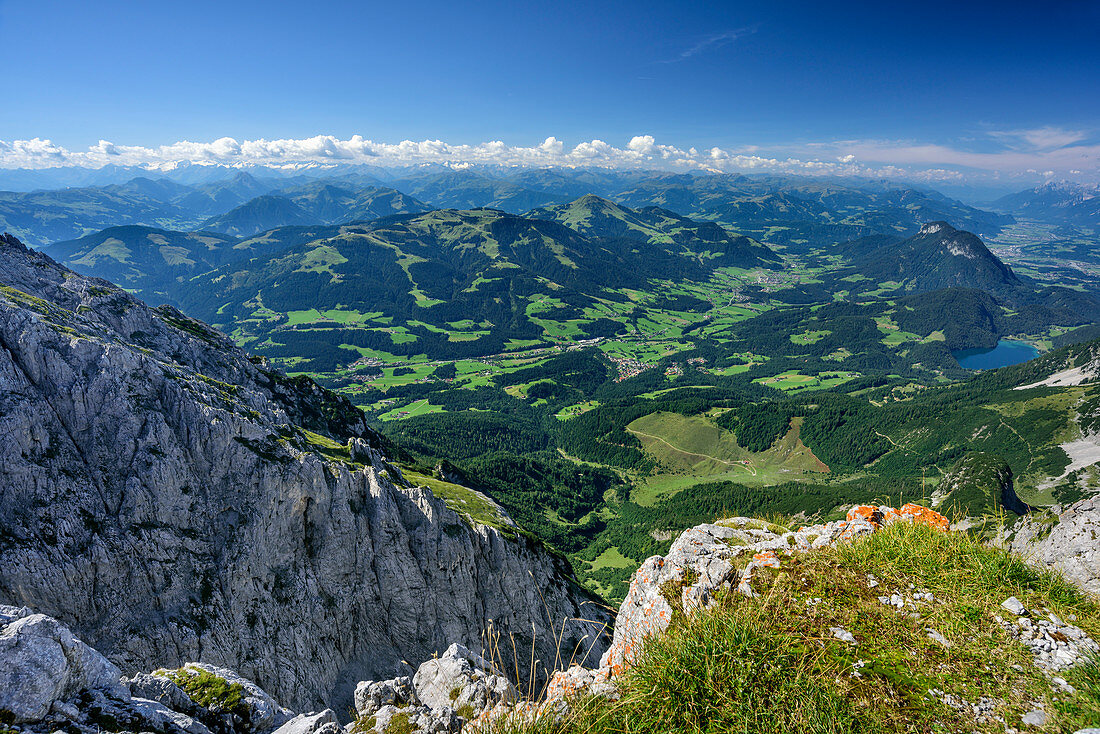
<point x="611" y="371"/>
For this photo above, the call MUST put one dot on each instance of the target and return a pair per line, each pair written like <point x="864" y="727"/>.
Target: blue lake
<point x="1005" y="353"/>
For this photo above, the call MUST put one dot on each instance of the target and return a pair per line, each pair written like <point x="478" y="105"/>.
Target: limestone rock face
<point x="322" y="723"/>
<point x="262" y="711"/>
<point x="446" y="692"/>
<point x="371" y="696"/>
<point x="172" y="500"/>
<point x="1071" y="545"/>
<point x="42" y="662"/>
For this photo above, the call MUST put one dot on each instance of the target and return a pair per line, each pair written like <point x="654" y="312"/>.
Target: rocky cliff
<point x="1068" y="541"/>
<point x="172" y="500"/>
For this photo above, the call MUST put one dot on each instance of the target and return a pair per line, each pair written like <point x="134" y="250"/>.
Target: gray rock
<point x="462" y="681"/>
<point x="153" y="711"/>
<point x="264" y="713"/>
<point x="41" y="662"/>
<point x="1014" y="605"/>
<point x="370" y="696"/>
<point x="703" y="561"/>
<point x="937" y="636"/>
<point x="1070" y="546"/>
<point x="1035" y="717"/>
<point x="842" y="634"/>
<point x="158" y="688"/>
<point x="419" y="719"/>
<point x="699" y="563"/>
<point x="162" y="501"/>
<point x="310" y="723"/>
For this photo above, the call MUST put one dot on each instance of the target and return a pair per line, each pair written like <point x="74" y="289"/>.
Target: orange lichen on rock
<point x="867" y="512"/>
<point x="924" y="516"/>
<point x="767" y="559"/>
<point x="880" y="516"/>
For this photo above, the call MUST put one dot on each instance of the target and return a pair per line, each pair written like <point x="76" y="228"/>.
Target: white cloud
<point x="924" y="156"/>
<point x="1042" y="152"/>
<point x="1040" y="138"/>
<point x="713" y="41"/>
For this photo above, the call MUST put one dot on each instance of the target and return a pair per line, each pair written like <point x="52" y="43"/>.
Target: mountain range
<point x="1056" y="202"/>
<point x="780" y="210"/>
<point x="430" y="271"/>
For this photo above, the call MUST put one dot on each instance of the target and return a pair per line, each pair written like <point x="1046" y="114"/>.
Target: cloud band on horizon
<point x="1019" y="154"/>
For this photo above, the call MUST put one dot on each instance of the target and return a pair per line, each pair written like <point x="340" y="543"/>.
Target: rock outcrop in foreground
<point x="50" y="680"/>
<point x="172" y="500"/>
<point x="709" y="559"/>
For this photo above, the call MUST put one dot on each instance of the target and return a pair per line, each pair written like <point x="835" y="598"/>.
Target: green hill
<point x="938" y="256"/>
<point x="316" y="203"/>
<point x="593" y="216"/>
<point x="141" y="258"/>
<point x="152" y="260"/>
<point x="446" y="284"/>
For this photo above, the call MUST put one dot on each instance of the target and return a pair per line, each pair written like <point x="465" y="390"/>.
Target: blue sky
<point x="985" y="89"/>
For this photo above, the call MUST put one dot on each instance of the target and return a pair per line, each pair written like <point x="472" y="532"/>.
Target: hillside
<point x="595" y="217"/>
<point x="938" y="256"/>
<point x="170" y="497"/>
<point x="410" y="285"/>
<point x="797" y="212"/>
<point x="882" y="621"/>
<point x="42" y="217"/>
<point x="257" y="215"/>
<point x="471" y="190"/>
<point x="144" y="257"/>
<point x="317" y="203"/>
<point x="786" y="211"/>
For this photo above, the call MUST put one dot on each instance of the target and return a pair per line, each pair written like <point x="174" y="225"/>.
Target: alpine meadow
<point x="627" y="368"/>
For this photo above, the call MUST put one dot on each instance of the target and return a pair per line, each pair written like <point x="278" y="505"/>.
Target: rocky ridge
<point x="59" y="682"/>
<point x="171" y="499"/>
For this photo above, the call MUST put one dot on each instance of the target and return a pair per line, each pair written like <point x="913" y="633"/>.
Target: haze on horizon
<point x="986" y="95"/>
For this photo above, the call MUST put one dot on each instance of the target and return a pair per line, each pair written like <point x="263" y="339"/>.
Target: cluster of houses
<point x="628" y="367"/>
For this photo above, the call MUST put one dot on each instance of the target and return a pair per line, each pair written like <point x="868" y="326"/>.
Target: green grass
<point x="327" y="447"/>
<point x="809" y="337"/>
<point x="770" y="664"/>
<point x="210" y="691"/>
<point x="302" y="317"/>
<point x="463" y="500"/>
<point x="693" y="449"/>
<point x="412" y="410"/>
<point x="794" y="380"/>
<point x="612" y="558"/>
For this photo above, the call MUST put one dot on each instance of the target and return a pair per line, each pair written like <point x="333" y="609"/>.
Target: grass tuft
<point x="771" y="664"/>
